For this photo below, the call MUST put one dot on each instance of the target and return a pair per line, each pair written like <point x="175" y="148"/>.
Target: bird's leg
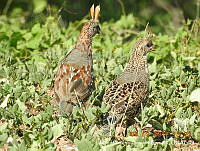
<point x="120" y="131"/>
<point x="121" y="128"/>
<point x="77" y="98"/>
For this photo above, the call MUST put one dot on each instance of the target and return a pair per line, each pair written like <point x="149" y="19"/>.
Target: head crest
<point x="148" y="32"/>
<point x="95" y="12"/>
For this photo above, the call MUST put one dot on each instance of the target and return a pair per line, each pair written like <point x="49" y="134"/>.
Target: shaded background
<point x="158" y="13"/>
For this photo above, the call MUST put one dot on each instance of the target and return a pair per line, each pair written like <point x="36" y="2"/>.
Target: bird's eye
<point x="97" y="29"/>
<point x="149" y="44"/>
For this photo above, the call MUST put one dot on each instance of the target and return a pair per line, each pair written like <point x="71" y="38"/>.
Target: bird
<point x="125" y="94"/>
<point x="74" y="80"/>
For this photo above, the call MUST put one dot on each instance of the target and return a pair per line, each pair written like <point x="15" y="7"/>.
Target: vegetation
<point x="28" y="60"/>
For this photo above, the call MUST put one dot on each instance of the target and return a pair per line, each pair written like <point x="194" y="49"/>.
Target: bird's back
<point x="126" y="93"/>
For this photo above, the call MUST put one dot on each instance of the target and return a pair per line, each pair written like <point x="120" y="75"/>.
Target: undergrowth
<point x="29" y="60"/>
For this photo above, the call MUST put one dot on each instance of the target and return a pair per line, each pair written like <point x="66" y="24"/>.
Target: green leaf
<point x="164" y="127"/>
<point x="104" y="107"/>
<point x="3" y="137"/>
<point x="131" y="139"/>
<point x="195" y="96"/>
<point x="110" y="147"/>
<point x="36" y="29"/>
<point x="34" y="42"/>
<point x="153" y="66"/>
<point x="3" y="127"/>
<point x="57" y="130"/>
<point x="173" y="54"/>
<point x="27" y="36"/>
<point x="39" y="5"/>
<point x="89" y="114"/>
<point x="192" y="119"/>
<point x="15" y="38"/>
<point x="84" y="145"/>
<point x="179" y="112"/>
<point x="197" y="134"/>
<point x="5" y="102"/>
<point x="21" y="106"/>
<point x="161" y="110"/>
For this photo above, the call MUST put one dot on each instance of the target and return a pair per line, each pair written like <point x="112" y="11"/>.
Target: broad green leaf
<point x="104" y="107"/>
<point x="89" y="114"/>
<point x="21" y="106"/>
<point x="84" y="145"/>
<point x="3" y="127"/>
<point x="195" y="95"/>
<point x="5" y="102"/>
<point x="3" y="137"/>
<point x="39" y="5"/>
<point x="34" y="42"/>
<point x="57" y="130"/>
<point x="197" y="134"/>
<point x="36" y="29"/>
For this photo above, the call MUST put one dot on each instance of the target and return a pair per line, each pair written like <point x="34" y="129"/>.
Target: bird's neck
<point x="84" y="42"/>
<point x="137" y="63"/>
<point x="84" y="38"/>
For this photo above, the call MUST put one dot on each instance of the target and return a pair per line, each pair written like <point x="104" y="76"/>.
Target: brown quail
<point x="74" y="80"/>
<point x="126" y="93"/>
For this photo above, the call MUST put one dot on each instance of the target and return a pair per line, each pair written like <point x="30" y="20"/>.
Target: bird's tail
<point x="65" y="108"/>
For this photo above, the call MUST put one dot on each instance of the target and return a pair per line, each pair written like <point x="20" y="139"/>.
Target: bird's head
<point x="91" y="28"/>
<point x="143" y="46"/>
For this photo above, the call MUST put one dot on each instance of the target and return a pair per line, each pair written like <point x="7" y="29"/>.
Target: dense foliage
<point x="28" y="61"/>
<point x="157" y="13"/>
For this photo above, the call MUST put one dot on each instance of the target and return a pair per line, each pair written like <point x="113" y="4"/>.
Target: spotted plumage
<point x="126" y="93"/>
<point x="74" y="80"/>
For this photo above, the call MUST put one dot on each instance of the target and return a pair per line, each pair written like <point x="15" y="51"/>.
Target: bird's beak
<point x="98" y="30"/>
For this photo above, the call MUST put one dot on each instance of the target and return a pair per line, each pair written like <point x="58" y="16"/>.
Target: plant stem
<point x="122" y="6"/>
<point x="5" y="10"/>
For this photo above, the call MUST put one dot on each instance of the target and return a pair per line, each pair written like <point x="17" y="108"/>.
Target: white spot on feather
<point x="71" y="68"/>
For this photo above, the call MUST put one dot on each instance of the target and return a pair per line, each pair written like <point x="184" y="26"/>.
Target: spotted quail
<point x="74" y="80"/>
<point x="126" y="93"/>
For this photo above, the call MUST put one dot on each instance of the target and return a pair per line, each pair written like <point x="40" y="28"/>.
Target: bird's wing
<point x="74" y="77"/>
<point x="125" y="97"/>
